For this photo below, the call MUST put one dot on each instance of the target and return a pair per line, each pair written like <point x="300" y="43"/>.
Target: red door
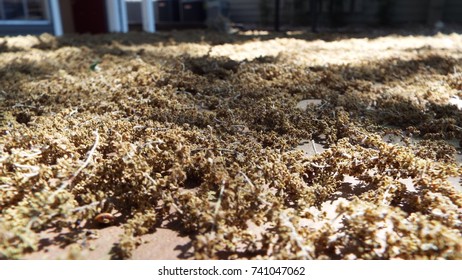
<point x="89" y="16"/>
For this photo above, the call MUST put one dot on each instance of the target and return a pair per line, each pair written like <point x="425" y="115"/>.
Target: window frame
<point x="46" y="21"/>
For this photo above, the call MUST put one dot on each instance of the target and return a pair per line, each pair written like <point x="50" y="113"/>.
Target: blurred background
<point x="99" y="16"/>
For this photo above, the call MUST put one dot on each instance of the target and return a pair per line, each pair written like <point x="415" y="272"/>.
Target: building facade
<point x="70" y="16"/>
<point x="32" y="16"/>
<point x="333" y="12"/>
<point x="99" y="16"/>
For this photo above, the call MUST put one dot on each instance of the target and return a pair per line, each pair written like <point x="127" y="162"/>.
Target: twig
<point x="322" y="105"/>
<point x="80" y="208"/>
<point x="217" y="206"/>
<point x="84" y="165"/>
<point x="220" y="196"/>
<point x="295" y="236"/>
<point x="314" y="147"/>
<point x="157" y="128"/>
<point x="150" y="178"/>
<point x="30" y="167"/>
<point x="177" y="208"/>
<point x="31" y="222"/>
<point x="457" y="127"/>
<point x="170" y="199"/>
<point x="7" y="187"/>
<point x="211" y="149"/>
<point x="247" y="179"/>
<point x="318" y="166"/>
<point x="25" y="106"/>
<point x="72" y="112"/>
<point x="236" y="96"/>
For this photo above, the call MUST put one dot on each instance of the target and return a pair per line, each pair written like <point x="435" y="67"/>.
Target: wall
<point x="453" y="11"/>
<point x="66" y="16"/>
<point x="410" y="11"/>
<point x="13" y="30"/>
<point x="244" y="11"/>
<point x="297" y="12"/>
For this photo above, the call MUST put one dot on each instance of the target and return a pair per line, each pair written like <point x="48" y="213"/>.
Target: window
<point x="23" y="10"/>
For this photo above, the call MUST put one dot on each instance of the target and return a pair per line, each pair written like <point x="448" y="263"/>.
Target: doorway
<point x="89" y="16"/>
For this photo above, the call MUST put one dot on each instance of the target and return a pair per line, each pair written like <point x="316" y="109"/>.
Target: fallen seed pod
<point x="105" y="218"/>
